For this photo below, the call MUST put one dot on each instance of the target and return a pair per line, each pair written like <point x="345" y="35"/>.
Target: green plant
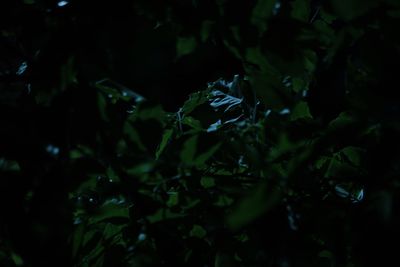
<point x="293" y="162"/>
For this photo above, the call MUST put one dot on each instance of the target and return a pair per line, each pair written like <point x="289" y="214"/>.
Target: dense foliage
<point x="257" y="133"/>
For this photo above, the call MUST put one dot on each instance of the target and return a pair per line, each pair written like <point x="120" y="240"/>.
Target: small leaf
<point x="301" y="10"/>
<point x="111" y="231"/>
<point x="154" y="112"/>
<point x="141" y="169"/>
<point x="133" y="136"/>
<point x="185" y="45"/>
<point x="189" y="150"/>
<point x="173" y="199"/>
<point x="17" y="259"/>
<point x="77" y="239"/>
<point x="207" y="182"/>
<point x="223" y="259"/>
<point x="321" y="162"/>
<point x="112" y="175"/>
<point x="223" y="201"/>
<point x="351" y="9"/>
<point x="164" y="141"/>
<point x="326" y="17"/>
<point x="338" y="168"/>
<point x="353" y="154"/>
<point x="75" y="154"/>
<point x="261" y="12"/>
<point x="298" y="84"/>
<point x="91" y="238"/>
<point x="325" y="254"/>
<point x="195" y="100"/>
<point x="202" y="158"/>
<point x="342" y="120"/>
<point x="110" y="211"/>
<point x="310" y="60"/>
<point x="198" y="231"/>
<point x="163" y="214"/>
<point x="9" y="165"/>
<point x="205" y="30"/>
<point x="251" y="207"/>
<point x="192" y="122"/>
<point x="300" y="111"/>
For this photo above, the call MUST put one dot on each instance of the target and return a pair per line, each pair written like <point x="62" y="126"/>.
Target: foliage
<point x="291" y="162"/>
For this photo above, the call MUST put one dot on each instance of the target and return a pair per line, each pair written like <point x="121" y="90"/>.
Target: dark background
<point x="51" y="57"/>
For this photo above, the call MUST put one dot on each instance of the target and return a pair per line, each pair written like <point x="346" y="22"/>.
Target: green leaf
<point x="112" y="175"/>
<point x="325" y="254"/>
<point x="255" y="56"/>
<point x="352" y="9"/>
<point x="223" y="201"/>
<point x="163" y="214"/>
<point x="299" y="84"/>
<point x="141" y="169"/>
<point x="192" y="122"/>
<point x="18" y="261"/>
<point x="68" y="73"/>
<point x="191" y="203"/>
<point x="9" y="165"/>
<point x="301" y="10"/>
<point x="207" y="182"/>
<point x="300" y="111"/>
<point x="321" y="162"/>
<point x="111" y="231"/>
<point x="265" y="79"/>
<point x="153" y="112"/>
<point x="344" y="119"/>
<point x="77" y="239"/>
<point x="96" y="250"/>
<point x="262" y="11"/>
<point x="185" y="45"/>
<point x="173" y="199"/>
<point x="189" y="150"/>
<point x="259" y="201"/>
<point x="334" y="167"/>
<point x="326" y="34"/>
<point x="110" y="211"/>
<point x="206" y="28"/>
<point x="91" y="237"/>
<point x="75" y="154"/>
<point x="353" y="154"/>
<point x="326" y="17"/>
<point x="133" y="135"/>
<point x="310" y="60"/>
<point x="223" y="259"/>
<point x="338" y="168"/>
<point x="102" y="105"/>
<point x="202" y="158"/>
<point x="283" y="146"/>
<point x="195" y="100"/>
<point x="164" y="141"/>
<point x="198" y="231"/>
